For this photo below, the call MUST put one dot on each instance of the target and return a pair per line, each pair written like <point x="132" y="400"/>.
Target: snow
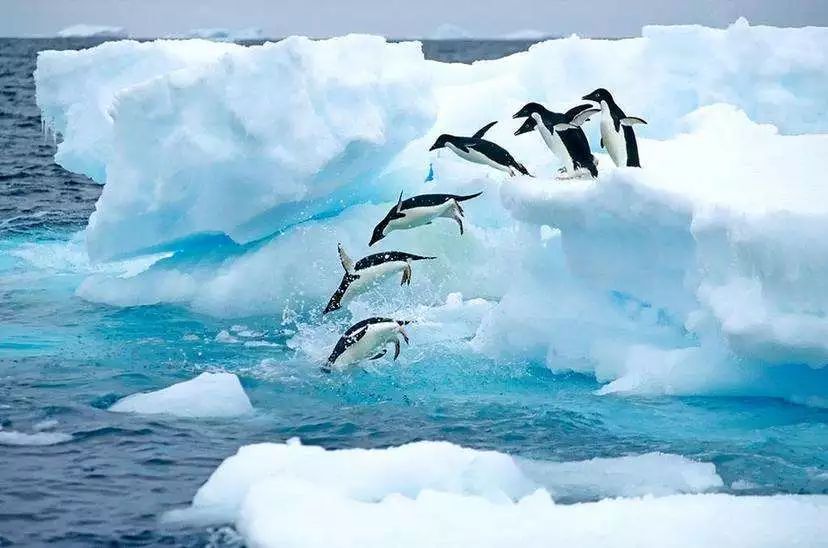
<point x="207" y="395"/>
<point x="92" y="31"/>
<point x="437" y="493"/>
<point x="702" y="273"/>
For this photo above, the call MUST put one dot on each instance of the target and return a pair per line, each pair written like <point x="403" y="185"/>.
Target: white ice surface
<point x="207" y="395"/>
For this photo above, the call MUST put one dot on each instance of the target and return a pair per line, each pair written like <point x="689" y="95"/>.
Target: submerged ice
<point x="704" y="272"/>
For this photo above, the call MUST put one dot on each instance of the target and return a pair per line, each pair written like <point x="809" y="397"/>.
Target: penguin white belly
<point x="614" y="141"/>
<point x="477" y="157"/>
<point x="417" y="216"/>
<point x="368" y="277"/>
<point x="371" y="344"/>
<point x="556" y="145"/>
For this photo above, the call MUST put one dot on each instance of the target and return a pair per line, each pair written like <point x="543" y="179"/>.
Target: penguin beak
<point x="376" y="236"/>
<point x="434" y="147"/>
<point x="525" y="128"/>
<point x="590" y="97"/>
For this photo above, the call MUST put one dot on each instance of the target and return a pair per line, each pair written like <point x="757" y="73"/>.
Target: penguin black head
<point x="527" y="110"/>
<point x="598" y="95"/>
<point x="528" y="125"/>
<point x="441" y="141"/>
<point x="403" y="323"/>
<point x="379" y="230"/>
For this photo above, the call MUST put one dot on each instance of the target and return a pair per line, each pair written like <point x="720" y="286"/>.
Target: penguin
<point x="617" y="134"/>
<point x="369" y="271"/>
<point x="480" y="151"/>
<point x="421" y="210"/>
<point x="366" y="339"/>
<point x="562" y="134"/>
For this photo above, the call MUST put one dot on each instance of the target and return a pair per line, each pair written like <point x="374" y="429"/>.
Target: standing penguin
<point x="480" y="151"/>
<point x="366" y="339"/>
<point x="562" y="134"/>
<point x="369" y="271"/>
<point x="617" y="134"/>
<point x="420" y="210"/>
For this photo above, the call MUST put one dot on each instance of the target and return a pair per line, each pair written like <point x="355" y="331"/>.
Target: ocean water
<point x="109" y="478"/>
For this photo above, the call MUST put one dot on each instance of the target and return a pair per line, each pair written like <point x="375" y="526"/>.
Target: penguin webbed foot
<point x="406" y="277"/>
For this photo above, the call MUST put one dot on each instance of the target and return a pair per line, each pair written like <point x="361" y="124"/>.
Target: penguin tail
<point x="333" y="304"/>
<point x="467" y="197"/>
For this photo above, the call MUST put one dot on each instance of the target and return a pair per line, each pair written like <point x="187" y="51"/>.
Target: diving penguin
<point x="562" y="134"/>
<point x="369" y="271"/>
<point x="617" y="134"/>
<point x="366" y="339"/>
<point x="480" y="151"/>
<point x="421" y="210"/>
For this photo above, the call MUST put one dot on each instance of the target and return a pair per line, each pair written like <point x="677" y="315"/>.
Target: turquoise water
<point x="66" y="360"/>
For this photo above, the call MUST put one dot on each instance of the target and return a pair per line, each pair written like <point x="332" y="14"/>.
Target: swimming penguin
<point x="368" y="271"/>
<point x="480" y="151"/>
<point x="421" y="210"/>
<point x="366" y="339"/>
<point x="617" y="135"/>
<point x="562" y="134"/>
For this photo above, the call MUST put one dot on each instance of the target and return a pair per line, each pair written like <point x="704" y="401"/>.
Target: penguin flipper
<point x="482" y="131"/>
<point x="602" y="143"/>
<point x="396" y="349"/>
<point x="381" y="354"/>
<point x="632" y="120"/>
<point x="583" y="116"/>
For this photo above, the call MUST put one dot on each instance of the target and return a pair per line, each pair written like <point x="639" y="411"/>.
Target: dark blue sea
<point x="111" y="477"/>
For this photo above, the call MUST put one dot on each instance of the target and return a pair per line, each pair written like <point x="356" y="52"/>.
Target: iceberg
<point x="207" y="395"/>
<point x="92" y="31"/>
<point x="243" y="167"/>
<point x="432" y="493"/>
<point x="226" y="35"/>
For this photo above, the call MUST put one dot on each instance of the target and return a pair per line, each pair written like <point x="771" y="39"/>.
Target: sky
<point x="400" y="18"/>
